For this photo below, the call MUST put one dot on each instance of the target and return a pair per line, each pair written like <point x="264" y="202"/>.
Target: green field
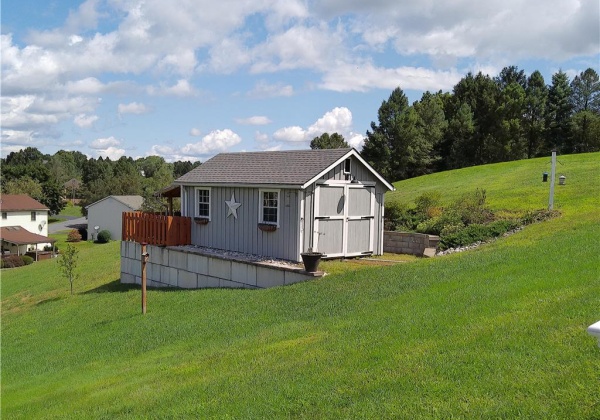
<point x="497" y="332"/>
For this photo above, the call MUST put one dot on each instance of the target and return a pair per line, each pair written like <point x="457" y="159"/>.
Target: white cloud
<point x="133" y="108"/>
<point x="215" y="141"/>
<point x="111" y="152"/>
<point x="338" y="120"/>
<point x="105" y="143"/>
<point x="255" y="120"/>
<point x="181" y="88"/>
<point x="195" y="132"/>
<point x="269" y="90"/>
<point x="85" y="121"/>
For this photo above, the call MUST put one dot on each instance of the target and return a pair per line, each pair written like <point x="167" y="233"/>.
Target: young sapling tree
<point x="68" y="263"/>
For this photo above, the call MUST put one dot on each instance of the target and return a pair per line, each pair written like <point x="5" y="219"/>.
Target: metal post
<point x="552" y="176"/>
<point x="144" y="261"/>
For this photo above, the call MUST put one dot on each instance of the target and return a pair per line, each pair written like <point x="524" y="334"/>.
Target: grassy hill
<point x="496" y="332"/>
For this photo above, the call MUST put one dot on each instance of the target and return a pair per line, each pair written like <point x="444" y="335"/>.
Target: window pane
<point x="270" y="205"/>
<point x="203" y="203"/>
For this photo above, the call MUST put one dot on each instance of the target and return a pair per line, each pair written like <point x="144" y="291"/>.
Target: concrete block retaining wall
<point x="183" y="268"/>
<point x="408" y="243"/>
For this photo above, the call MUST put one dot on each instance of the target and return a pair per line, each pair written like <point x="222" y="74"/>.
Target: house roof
<point x="134" y="202"/>
<point x="20" y="236"/>
<point x="19" y="202"/>
<point x="297" y="168"/>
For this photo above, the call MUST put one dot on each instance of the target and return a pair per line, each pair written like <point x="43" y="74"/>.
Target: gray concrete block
<point x="178" y="260"/>
<point x="127" y="278"/>
<point x="187" y="280"/>
<point x="230" y="284"/>
<point x="268" y="277"/>
<point x="205" y="281"/>
<point x="158" y="255"/>
<point x="168" y="275"/>
<point x="197" y="264"/>
<point x="239" y="272"/>
<point x="153" y="272"/>
<point x="429" y="252"/>
<point x="219" y="268"/>
<point x="291" y="277"/>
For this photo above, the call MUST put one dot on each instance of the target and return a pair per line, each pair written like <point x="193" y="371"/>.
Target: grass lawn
<point x="498" y="332"/>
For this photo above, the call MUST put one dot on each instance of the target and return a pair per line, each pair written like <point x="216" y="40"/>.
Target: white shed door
<point x="344" y="218"/>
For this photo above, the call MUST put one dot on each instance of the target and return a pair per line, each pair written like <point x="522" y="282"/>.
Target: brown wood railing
<point x="155" y="229"/>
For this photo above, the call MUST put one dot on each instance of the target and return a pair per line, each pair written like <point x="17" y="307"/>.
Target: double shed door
<point x="344" y="219"/>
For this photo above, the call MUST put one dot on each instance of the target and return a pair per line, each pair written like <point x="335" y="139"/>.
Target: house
<point x="106" y="214"/>
<point x="23" y="225"/>
<point x="283" y="203"/>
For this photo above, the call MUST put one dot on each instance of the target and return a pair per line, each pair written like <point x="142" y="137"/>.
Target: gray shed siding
<point x="361" y="174"/>
<point x="242" y="234"/>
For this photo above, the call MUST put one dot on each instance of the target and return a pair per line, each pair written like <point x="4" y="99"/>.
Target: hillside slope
<point x="496" y="332"/>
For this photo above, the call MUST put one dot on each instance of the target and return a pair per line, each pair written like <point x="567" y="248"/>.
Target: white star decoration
<point x="232" y="206"/>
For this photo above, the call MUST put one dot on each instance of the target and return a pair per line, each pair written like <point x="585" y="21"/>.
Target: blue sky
<point x="192" y="78"/>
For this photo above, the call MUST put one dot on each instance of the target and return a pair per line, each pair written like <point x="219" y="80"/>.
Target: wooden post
<point x="144" y="261"/>
<point x="552" y="176"/>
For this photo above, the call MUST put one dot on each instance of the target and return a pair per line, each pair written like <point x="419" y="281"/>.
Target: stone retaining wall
<point x="408" y="243"/>
<point x="182" y="268"/>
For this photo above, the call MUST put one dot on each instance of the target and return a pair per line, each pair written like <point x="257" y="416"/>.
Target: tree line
<point x="483" y="120"/>
<point x="46" y="177"/>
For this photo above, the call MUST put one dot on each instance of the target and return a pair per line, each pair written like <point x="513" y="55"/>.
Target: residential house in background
<point x="23" y="225"/>
<point x="107" y="214"/>
<point x="283" y="203"/>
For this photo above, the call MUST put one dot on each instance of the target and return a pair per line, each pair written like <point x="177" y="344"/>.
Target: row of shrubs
<point x="76" y="235"/>
<point x="13" y="261"/>
<point x="465" y="221"/>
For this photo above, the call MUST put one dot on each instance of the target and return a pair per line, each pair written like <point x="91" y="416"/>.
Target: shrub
<point x="534" y="216"/>
<point x="12" y="261"/>
<point x="26" y="259"/>
<point x="50" y="248"/>
<point x="449" y="218"/>
<point x="103" y="237"/>
<point x="399" y="217"/>
<point x="471" y="208"/>
<point x="74" y="236"/>
<point x="475" y="233"/>
<point x="428" y="205"/>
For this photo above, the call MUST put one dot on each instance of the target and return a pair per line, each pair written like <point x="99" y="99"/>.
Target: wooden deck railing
<point x="157" y="229"/>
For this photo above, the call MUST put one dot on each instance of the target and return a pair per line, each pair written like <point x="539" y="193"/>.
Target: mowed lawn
<point x="497" y="332"/>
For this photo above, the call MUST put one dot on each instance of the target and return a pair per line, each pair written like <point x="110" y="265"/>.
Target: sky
<point x="186" y="80"/>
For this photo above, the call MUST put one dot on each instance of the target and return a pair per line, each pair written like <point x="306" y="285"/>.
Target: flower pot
<point x="201" y="220"/>
<point x="267" y="227"/>
<point x="311" y="261"/>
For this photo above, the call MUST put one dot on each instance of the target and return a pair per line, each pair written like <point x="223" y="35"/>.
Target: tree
<point x="326" y="141"/>
<point x="511" y="74"/>
<point x="459" y="134"/>
<point x="536" y="96"/>
<point x="559" y="110"/>
<point x="52" y="197"/>
<point x="67" y="264"/>
<point x="510" y="141"/>
<point x="24" y="185"/>
<point x="585" y="98"/>
<point x="432" y="124"/>
<point x="181" y="168"/>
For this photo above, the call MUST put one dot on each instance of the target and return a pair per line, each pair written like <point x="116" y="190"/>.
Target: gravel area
<point x="238" y="256"/>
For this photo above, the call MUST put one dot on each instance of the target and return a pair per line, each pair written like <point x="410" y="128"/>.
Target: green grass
<point x="498" y="332"/>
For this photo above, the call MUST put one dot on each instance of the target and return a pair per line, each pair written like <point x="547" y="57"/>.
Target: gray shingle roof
<point x="290" y="167"/>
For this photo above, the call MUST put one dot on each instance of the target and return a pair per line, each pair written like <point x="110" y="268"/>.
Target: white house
<point x="24" y="224"/>
<point x="107" y="214"/>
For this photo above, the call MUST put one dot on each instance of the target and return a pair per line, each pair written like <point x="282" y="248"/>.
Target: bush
<point x="74" y="236"/>
<point x="471" y="208"/>
<point x="475" y="233"/>
<point x="103" y="237"/>
<point x="26" y="259"/>
<point x="428" y="205"/>
<point x="12" y="261"/>
<point x="50" y="248"/>
<point x="83" y="232"/>
<point x="534" y="216"/>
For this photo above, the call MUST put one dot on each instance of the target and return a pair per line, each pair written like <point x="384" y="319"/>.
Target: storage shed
<point x="282" y="203"/>
<point x="107" y="213"/>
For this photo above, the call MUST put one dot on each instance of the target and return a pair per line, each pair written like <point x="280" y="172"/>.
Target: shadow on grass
<point x="54" y="299"/>
<point x="113" y="287"/>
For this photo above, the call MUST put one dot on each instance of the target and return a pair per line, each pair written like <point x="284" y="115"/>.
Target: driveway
<point x="67" y="224"/>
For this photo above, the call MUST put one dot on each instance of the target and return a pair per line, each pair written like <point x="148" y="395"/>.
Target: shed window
<point x="4" y="215"/>
<point x="33" y="216"/>
<point x="269" y="208"/>
<point x="203" y="202"/>
<point x="347" y="166"/>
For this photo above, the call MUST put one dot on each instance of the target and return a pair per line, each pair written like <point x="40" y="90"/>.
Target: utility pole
<point x="552" y="176"/>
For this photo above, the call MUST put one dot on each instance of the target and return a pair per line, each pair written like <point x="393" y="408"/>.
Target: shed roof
<point x="134" y="202"/>
<point x="20" y="236"/>
<point x="290" y="167"/>
<point x="19" y="202"/>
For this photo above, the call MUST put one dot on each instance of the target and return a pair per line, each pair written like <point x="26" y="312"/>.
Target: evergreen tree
<point x="585" y="99"/>
<point x="536" y="96"/>
<point x="326" y="141"/>
<point x="558" y="115"/>
<point x="510" y="141"/>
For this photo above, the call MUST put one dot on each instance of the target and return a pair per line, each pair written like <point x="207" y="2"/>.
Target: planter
<point x="311" y="261"/>
<point x="201" y="220"/>
<point x="266" y="227"/>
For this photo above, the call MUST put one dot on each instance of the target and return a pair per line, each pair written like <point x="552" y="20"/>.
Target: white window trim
<point x="261" y="208"/>
<point x="344" y="168"/>
<point x="197" y="201"/>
